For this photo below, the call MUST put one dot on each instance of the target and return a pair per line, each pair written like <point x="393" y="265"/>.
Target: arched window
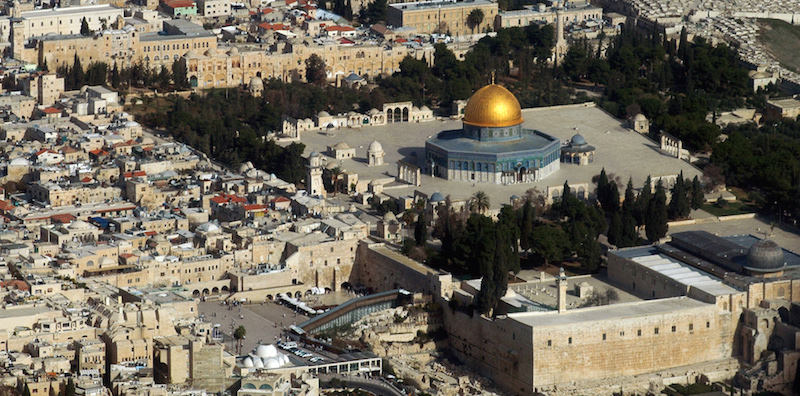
<point x="248" y="386"/>
<point x="156" y="58"/>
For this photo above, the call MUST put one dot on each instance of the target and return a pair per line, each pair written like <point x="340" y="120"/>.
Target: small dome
<point x="375" y="146"/>
<point x="256" y="84"/>
<point x="389" y="217"/>
<point x="211" y="52"/>
<point x="208" y="227"/>
<point x="374" y="111"/>
<point x="437" y="197"/>
<point x="331" y="165"/>
<point x="272" y="363"/>
<point x="577" y="140"/>
<point x="323" y="113"/>
<point x="639" y="117"/>
<point x="765" y="256"/>
<point x="313" y="154"/>
<point x="258" y="363"/>
<point x="266" y="351"/>
<point x="341" y="146"/>
<point x="425" y="108"/>
<point x="79" y="225"/>
<point x="248" y="362"/>
<point x="191" y="54"/>
<point x="233" y="51"/>
<point x="19" y="161"/>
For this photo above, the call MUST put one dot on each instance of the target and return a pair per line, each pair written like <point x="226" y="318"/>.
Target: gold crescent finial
<point x="492" y="77"/>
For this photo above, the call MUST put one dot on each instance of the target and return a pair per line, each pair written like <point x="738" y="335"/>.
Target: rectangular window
<point x="570" y="340"/>
<point x="673" y="329"/>
<point x="708" y="324"/>
<point x="691" y="326"/>
<point x="639" y="332"/>
<point x="549" y="342"/>
<point x="604" y="336"/>
<point x="655" y="331"/>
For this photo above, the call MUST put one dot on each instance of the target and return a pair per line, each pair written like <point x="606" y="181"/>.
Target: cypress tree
<point x="643" y="201"/>
<point x="115" y="77"/>
<point x="629" y="234"/>
<point x="615" y="231"/>
<point x="526" y="226"/>
<point x="656" y="217"/>
<point x="600" y="193"/>
<point x="629" y="204"/>
<point x="612" y="197"/>
<point x="421" y="230"/>
<point x="697" y="194"/>
<point x="679" y="205"/>
<point x="85" y="31"/>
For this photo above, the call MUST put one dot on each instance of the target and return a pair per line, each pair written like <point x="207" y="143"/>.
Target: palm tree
<point x="479" y="202"/>
<point x="239" y="335"/>
<point x="475" y="18"/>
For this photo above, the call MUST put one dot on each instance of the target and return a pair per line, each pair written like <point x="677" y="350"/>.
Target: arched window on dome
<point x="479" y="167"/>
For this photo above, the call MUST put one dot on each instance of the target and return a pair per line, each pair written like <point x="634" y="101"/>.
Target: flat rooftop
<point x="72" y="10"/>
<point x="679" y="272"/>
<point x="425" y="5"/>
<point x="607" y="312"/>
<point x="619" y="150"/>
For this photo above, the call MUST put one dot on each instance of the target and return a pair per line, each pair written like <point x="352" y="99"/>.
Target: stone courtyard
<point x="619" y="150"/>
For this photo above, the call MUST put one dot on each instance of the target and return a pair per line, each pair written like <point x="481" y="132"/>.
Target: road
<point x="375" y="386"/>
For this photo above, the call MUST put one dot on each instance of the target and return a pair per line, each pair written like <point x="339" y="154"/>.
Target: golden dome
<point x="493" y="106"/>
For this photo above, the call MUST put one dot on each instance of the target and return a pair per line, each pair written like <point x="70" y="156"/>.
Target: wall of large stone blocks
<point x="383" y="269"/>
<point x="629" y="346"/>
<point x="501" y="349"/>
<point x="325" y="265"/>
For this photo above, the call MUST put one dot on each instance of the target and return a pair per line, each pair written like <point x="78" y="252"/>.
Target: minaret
<point x="314" y="185"/>
<point x="17" y="31"/>
<point x="561" y="283"/>
<point x="561" y="48"/>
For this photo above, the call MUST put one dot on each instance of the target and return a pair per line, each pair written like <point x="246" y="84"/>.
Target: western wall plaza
<point x="396" y="198"/>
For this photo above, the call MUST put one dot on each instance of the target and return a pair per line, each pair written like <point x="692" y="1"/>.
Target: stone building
<point x="577" y="151"/>
<point x="492" y="146"/>
<point x="576" y="12"/>
<point x="442" y="17"/>
<point x="210" y="68"/>
<point x="375" y="154"/>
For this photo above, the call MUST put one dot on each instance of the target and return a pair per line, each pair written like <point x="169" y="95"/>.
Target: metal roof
<point x="684" y="274"/>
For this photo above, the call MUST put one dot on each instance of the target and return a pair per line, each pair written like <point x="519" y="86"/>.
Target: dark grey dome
<point x="437" y="197"/>
<point x="578" y="140"/>
<point x="765" y="256"/>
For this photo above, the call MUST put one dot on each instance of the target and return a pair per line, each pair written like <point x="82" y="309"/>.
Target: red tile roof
<point x="150" y="233"/>
<point x="51" y="110"/>
<point x="42" y="151"/>
<point x="340" y="28"/>
<point x="65" y="218"/>
<point x="98" y="152"/>
<point x="179" y="4"/>
<point x="5" y="205"/>
<point x="346" y="41"/>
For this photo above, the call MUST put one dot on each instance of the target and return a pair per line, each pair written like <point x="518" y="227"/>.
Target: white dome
<point x="259" y="363"/>
<point x="272" y="363"/>
<point x="79" y="225"/>
<point x="375" y="146"/>
<point x="208" y="227"/>
<point x="266" y="351"/>
<point x="248" y="362"/>
<point x="323" y="113"/>
<point x="19" y="161"/>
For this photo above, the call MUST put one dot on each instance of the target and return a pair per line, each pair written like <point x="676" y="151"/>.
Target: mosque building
<point x="492" y="146"/>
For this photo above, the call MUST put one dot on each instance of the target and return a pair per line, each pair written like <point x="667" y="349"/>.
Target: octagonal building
<point x="492" y="146"/>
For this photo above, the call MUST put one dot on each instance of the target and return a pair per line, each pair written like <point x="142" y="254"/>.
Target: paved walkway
<point x="377" y="387"/>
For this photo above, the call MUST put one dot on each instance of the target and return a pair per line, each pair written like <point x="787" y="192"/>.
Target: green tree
<point x="116" y="79"/>
<point x="69" y="389"/>
<point x="421" y="230"/>
<point x="315" y="70"/>
<point x="180" y="74"/>
<point x="616" y="233"/>
<point x="479" y="203"/>
<point x="643" y="201"/>
<point x="698" y="196"/>
<point x="679" y="204"/>
<point x="85" y="31"/>
<point x="475" y="18"/>
<point x="656" y="216"/>
<point x="550" y="243"/>
<point x="239" y="334"/>
<point x="526" y="225"/>
<point x="374" y="12"/>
